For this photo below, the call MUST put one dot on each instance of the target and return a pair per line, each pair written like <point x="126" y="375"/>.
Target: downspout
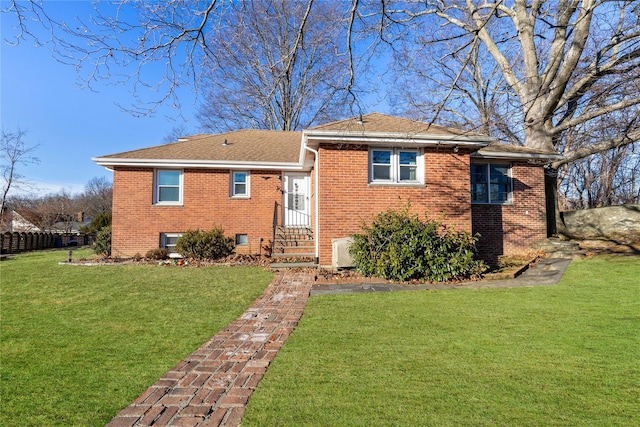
<point x="317" y="195"/>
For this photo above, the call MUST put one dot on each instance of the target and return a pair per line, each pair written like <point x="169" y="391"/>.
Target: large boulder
<point x="619" y="224"/>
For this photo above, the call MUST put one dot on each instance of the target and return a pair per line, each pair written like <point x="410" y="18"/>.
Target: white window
<point x="168" y="187"/>
<point x="491" y="183"/>
<point x="242" y="240"/>
<point x="168" y="241"/>
<point x="239" y="184"/>
<point x="396" y="166"/>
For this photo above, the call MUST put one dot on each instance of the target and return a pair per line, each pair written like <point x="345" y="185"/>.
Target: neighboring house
<point x="69" y="227"/>
<point x="16" y="223"/>
<point x="295" y="192"/>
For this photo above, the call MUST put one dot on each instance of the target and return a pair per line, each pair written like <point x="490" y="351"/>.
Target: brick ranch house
<point x="299" y="191"/>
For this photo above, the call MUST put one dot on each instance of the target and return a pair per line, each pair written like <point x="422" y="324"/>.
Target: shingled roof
<point x="382" y="123"/>
<point x="243" y="146"/>
<point x="270" y="148"/>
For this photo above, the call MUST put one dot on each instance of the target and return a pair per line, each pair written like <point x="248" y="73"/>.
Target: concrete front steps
<point x="293" y="247"/>
<point x="556" y="248"/>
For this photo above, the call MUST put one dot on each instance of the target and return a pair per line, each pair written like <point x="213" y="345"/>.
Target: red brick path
<point x="211" y="387"/>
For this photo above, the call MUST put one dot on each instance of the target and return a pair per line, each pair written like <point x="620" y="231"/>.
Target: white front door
<point x="296" y="200"/>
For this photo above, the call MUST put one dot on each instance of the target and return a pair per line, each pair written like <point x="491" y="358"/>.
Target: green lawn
<point x="80" y="343"/>
<point x="565" y="355"/>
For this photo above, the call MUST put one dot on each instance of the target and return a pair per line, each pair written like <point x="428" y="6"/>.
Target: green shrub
<point x="102" y="244"/>
<point x="97" y="224"/>
<point x="400" y="246"/>
<point x="210" y="244"/>
<point x="157" y="254"/>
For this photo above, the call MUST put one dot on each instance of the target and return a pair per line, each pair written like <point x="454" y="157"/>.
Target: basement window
<point x="242" y="240"/>
<point x="168" y="241"/>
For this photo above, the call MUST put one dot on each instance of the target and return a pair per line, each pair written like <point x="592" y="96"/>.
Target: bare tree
<point x="275" y="67"/>
<point x="285" y="46"/>
<point x="566" y="63"/>
<point x="97" y="197"/>
<point x="127" y="41"/>
<point x="14" y="152"/>
<point x="176" y="132"/>
<point x="51" y="212"/>
<point x="606" y="178"/>
<point x="477" y="96"/>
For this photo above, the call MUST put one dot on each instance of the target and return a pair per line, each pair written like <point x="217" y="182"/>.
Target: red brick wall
<point x="137" y="223"/>
<point x="347" y="198"/>
<point x="513" y="228"/>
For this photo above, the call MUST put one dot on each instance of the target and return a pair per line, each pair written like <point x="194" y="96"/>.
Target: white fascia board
<point x="387" y="138"/>
<point x="156" y="163"/>
<point x="516" y="156"/>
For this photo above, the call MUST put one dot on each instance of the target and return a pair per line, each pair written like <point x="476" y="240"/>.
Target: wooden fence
<point x="21" y="242"/>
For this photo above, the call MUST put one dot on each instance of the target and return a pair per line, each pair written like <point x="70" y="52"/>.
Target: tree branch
<point x="582" y="152"/>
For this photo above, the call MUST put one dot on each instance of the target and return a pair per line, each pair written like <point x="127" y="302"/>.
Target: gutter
<point x="394" y="137"/>
<point x="517" y="156"/>
<point x="176" y="163"/>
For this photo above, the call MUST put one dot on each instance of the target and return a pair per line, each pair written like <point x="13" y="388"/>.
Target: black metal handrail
<point x="275" y="221"/>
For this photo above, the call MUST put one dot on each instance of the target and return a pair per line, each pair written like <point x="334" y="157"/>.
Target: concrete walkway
<point x="547" y="271"/>
<point x="211" y="386"/>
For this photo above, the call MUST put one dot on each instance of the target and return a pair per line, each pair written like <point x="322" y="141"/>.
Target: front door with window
<point x="296" y="200"/>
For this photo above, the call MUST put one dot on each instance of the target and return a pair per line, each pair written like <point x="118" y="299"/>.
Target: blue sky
<point x="71" y="124"/>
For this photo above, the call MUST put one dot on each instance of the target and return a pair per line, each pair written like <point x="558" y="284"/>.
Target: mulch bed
<point x="236" y="259"/>
<point x="508" y="268"/>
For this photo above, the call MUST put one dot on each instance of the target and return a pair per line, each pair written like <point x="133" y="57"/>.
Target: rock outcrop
<point x="616" y="224"/>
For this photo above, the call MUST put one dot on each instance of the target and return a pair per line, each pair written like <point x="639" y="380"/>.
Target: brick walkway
<point x="211" y="387"/>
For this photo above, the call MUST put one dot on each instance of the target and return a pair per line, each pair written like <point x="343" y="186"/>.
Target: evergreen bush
<point x="210" y="244"/>
<point x="97" y="224"/>
<point x="102" y="244"/>
<point x="400" y="246"/>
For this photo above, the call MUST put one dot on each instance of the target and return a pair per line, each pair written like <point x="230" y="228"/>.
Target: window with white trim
<point x="168" y="187"/>
<point x="491" y="183"/>
<point x="240" y="183"/>
<point x="396" y="166"/>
